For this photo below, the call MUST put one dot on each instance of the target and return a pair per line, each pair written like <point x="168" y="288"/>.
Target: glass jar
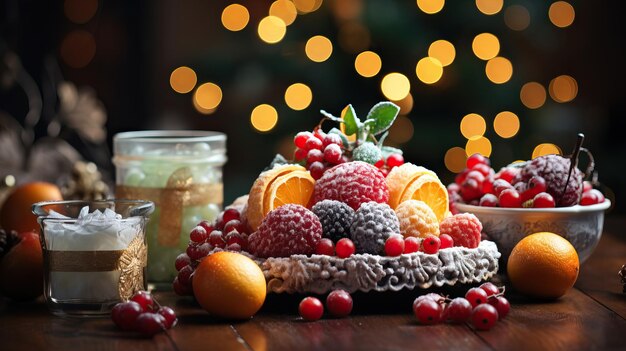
<point x="94" y="253"/>
<point x="181" y="172"/>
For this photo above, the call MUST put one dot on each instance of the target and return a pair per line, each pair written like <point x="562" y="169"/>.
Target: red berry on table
<point x="333" y="153"/>
<point x="592" y="197"/>
<point x="207" y="226"/>
<point x="184" y="275"/>
<point x="339" y="303"/>
<point x="510" y="198"/>
<point x="484" y="316"/>
<point x="476" y="159"/>
<point x="144" y="299"/>
<point x="431" y="296"/>
<point x="198" y="235"/>
<point x="181" y="261"/>
<point x="411" y="244"/>
<point x="300" y="154"/>
<point x="427" y="311"/>
<point x="431" y="244"/>
<point x="543" y="200"/>
<point x="301" y="138"/>
<point x="169" y="315"/>
<point x="317" y="170"/>
<point x="446" y="241"/>
<point x="313" y="144"/>
<point x="217" y="239"/>
<point x="124" y="314"/>
<point x="314" y="155"/>
<point x="490" y="288"/>
<point x="332" y="138"/>
<point x="345" y="248"/>
<point x="149" y="323"/>
<point x="488" y="200"/>
<point x="311" y="309"/>
<point x="325" y="247"/>
<point x="476" y="296"/>
<point x="458" y="310"/>
<point x="394" y="245"/>
<point x="395" y="160"/>
<point x="501" y="304"/>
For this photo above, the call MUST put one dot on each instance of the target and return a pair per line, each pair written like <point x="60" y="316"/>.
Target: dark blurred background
<point x="555" y="68"/>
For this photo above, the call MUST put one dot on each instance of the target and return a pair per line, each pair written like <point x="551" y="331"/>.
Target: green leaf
<point x="331" y="117"/>
<point x="383" y="114"/>
<point x="343" y="137"/>
<point x="351" y="121"/>
<point x="388" y="150"/>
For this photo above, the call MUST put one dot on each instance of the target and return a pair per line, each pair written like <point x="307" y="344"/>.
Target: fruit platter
<point x="347" y="212"/>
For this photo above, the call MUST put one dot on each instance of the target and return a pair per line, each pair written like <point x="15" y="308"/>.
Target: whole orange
<point x="229" y="285"/>
<point x="16" y="213"/>
<point x="543" y="265"/>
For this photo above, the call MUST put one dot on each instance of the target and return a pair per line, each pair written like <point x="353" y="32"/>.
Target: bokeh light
<point x="298" y="96"/>
<point x="406" y="104"/>
<point x="499" y="70"/>
<point x="285" y="10"/>
<point x="546" y="149"/>
<point x="353" y="37"/>
<point x="489" y="7"/>
<point x="563" y="88"/>
<point x="272" y="29"/>
<point x="202" y="110"/>
<point x="183" y="79"/>
<point x="368" y="64"/>
<point x="307" y="6"/>
<point x="264" y="118"/>
<point x="429" y="70"/>
<point x="506" y="124"/>
<point x="485" y="46"/>
<point x="208" y="96"/>
<point x="517" y="17"/>
<point x="402" y="130"/>
<point x="78" y="48"/>
<point x="561" y="14"/>
<point x="395" y="86"/>
<point x="318" y="48"/>
<point x="430" y="6"/>
<point x="443" y="51"/>
<point x="80" y="11"/>
<point x="533" y="95"/>
<point x="235" y="17"/>
<point x="455" y="159"/>
<point x="480" y="145"/>
<point x="473" y="126"/>
<point x="346" y="9"/>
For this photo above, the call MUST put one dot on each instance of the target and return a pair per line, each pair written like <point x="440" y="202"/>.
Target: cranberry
<point x="476" y="296"/>
<point x="331" y="139"/>
<point x="471" y="189"/>
<point x="198" y="235"/>
<point x="313" y="143"/>
<point x="339" y="303"/>
<point x="181" y="261"/>
<point x="311" y="309"/>
<point x="488" y="185"/>
<point x="149" y="323"/>
<point x="499" y="185"/>
<point x="460" y="178"/>
<point x="380" y="163"/>
<point x="484" y="169"/>
<point x="431" y="244"/>
<point x="476" y="159"/>
<point x="325" y="247"/>
<point x="501" y="304"/>
<point x="510" y="198"/>
<point x="345" y="248"/>
<point x="543" y="200"/>
<point x="217" y="239"/>
<point x="317" y="170"/>
<point x="301" y="138"/>
<point x="484" y="316"/>
<point x="124" y="314"/>
<point x="234" y="237"/>
<point x="184" y="276"/>
<point x="411" y="244"/>
<point x="314" y="155"/>
<point x="592" y="197"/>
<point x="458" y="310"/>
<point x="490" y="288"/>
<point x="230" y="214"/>
<point x="319" y="133"/>
<point x="169" y="315"/>
<point x="427" y="311"/>
<point x="332" y="153"/>
<point x="394" y="245"/>
<point x="507" y="174"/>
<point x="535" y="185"/>
<point x="395" y="160"/>
<point x="446" y="241"/>
<point x="207" y="226"/>
<point x="144" y="299"/>
<point x="180" y="289"/>
<point x="234" y="225"/>
<point x="488" y="200"/>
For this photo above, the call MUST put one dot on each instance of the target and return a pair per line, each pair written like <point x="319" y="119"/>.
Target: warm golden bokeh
<point x="499" y="70"/>
<point x="455" y="159"/>
<point x="285" y="10"/>
<point x="307" y="6"/>
<point x="489" y="7"/>
<point x="80" y="11"/>
<point x="298" y="96"/>
<point x="473" y="126"/>
<point x="264" y="118"/>
<point x="506" y="124"/>
<point x="517" y="17"/>
<point x="183" y="79"/>
<point x="561" y="14"/>
<point x="395" y="86"/>
<point x="429" y="70"/>
<point x="402" y="130"/>
<point x="406" y="104"/>
<point x="430" y="6"/>
<point x="78" y="48"/>
<point x="546" y="149"/>
<point x="443" y="51"/>
<point x="479" y="145"/>
<point x="318" y="48"/>
<point x="235" y="17"/>
<point x="353" y="37"/>
<point x="208" y="96"/>
<point x="368" y="64"/>
<point x="563" y="88"/>
<point x="485" y="46"/>
<point x="272" y="29"/>
<point x="533" y="95"/>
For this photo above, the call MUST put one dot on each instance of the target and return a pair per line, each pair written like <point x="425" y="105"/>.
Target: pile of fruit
<point x="542" y="182"/>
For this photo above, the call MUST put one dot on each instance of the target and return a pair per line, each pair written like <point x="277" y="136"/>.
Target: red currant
<point x="484" y="316"/>
<point x="311" y="309"/>
<point x="395" y="160"/>
<point x="380" y="163"/>
<point x="345" y="248"/>
<point x="332" y="153"/>
<point x="507" y="174"/>
<point x="592" y="197"/>
<point x="411" y="244"/>
<point x="458" y="310"/>
<point x="234" y="238"/>
<point x="207" y="226"/>
<point x="184" y="276"/>
<point x="490" y="288"/>
<point x="231" y="214"/>
<point x="316" y="169"/>
<point x="394" y="245"/>
<point x="313" y="143"/>
<point x="501" y="304"/>
<point x="198" y="235"/>
<point x="181" y="261"/>
<point x="124" y="314"/>
<point x="431" y="296"/>
<point x="488" y="185"/>
<point x="460" y="178"/>
<point x="446" y="241"/>
<point x="216" y="239"/>
<point x="325" y="247"/>
<point x="499" y="185"/>
<point x="535" y="185"/>
<point x="314" y="155"/>
<point x="431" y="244"/>
<point x="339" y="303"/>
<point x="488" y="200"/>
<point x="331" y="139"/>
<point x="476" y="159"/>
<point x="476" y="296"/>
<point x="510" y="198"/>
<point x="300" y="139"/>
<point x="149" y="323"/>
<point x="543" y="200"/>
<point x="234" y="225"/>
<point x="319" y="134"/>
<point x="144" y="299"/>
<point x="300" y="154"/>
<point x="169" y="315"/>
<point x="427" y="311"/>
<point x="471" y="189"/>
<point x="484" y="169"/>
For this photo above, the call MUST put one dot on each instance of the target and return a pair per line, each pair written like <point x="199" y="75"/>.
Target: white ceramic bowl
<point x="581" y="225"/>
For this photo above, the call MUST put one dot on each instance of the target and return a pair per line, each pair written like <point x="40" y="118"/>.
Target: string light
<point x="533" y="95"/>
<point x="430" y="6"/>
<point x="272" y="29"/>
<point x="235" y="17"/>
<point x="546" y="149"/>
<point x="307" y="6"/>
<point x="563" y="88"/>
<point x="517" y="17"/>
<point x="318" y="48"/>
<point x="285" y="10"/>
<point x="208" y="96"/>
<point x="480" y="145"/>
<point x="561" y="14"/>
<point x="455" y="159"/>
<point x="202" y="110"/>
<point x="473" y="126"/>
<point x="395" y="86"/>
<point x="506" y="124"/>
<point x="489" y="7"/>
<point x="298" y="96"/>
<point x="368" y="64"/>
<point x="443" y="51"/>
<point x="429" y="70"/>
<point x="264" y="118"/>
<point x="485" y="46"/>
<point x="183" y="79"/>
<point x="499" y="70"/>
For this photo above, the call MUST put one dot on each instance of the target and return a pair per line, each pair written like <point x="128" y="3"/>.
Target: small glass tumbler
<point x="94" y="253"/>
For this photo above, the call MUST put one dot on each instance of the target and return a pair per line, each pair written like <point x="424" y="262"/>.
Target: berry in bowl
<point x="545" y="194"/>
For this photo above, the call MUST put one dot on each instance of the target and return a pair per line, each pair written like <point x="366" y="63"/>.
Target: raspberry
<point x="288" y="230"/>
<point x="464" y="229"/>
<point x="554" y="169"/>
<point x="353" y="183"/>
<point x="336" y="218"/>
<point x="367" y="152"/>
<point x="417" y="219"/>
<point x="373" y="224"/>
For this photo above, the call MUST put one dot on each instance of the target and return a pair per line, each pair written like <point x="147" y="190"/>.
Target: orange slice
<point x="428" y="188"/>
<point x="400" y="177"/>
<point x="255" y="211"/>
<point x="292" y="188"/>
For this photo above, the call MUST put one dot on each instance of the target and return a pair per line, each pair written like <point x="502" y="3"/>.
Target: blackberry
<point x="8" y="239"/>
<point x="373" y="224"/>
<point x="336" y="218"/>
<point x="554" y="169"/>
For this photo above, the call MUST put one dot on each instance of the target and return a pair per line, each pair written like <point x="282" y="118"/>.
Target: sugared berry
<point x="198" y="235"/>
<point x="144" y="299"/>
<point x="234" y="238"/>
<point x="587" y="186"/>
<point x="476" y="296"/>
<point x="458" y="310"/>
<point x="325" y="247"/>
<point x="149" y="323"/>
<point x="543" y="200"/>
<point x="124" y="314"/>
<point x="230" y="214"/>
<point x="394" y="245"/>
<point x="332" y="153"/>
<point x="507" y="174"/>
<point x="313" y="143"/>
<point x="300" y="154"/>
<point x="501" y="304"/>
<point x="446" y="241"/>
<point x="535" y="185"/>
<point x="180" y="289"/>
<point x="427" y="311"/>
<point x="490" y="288"/>
<point x="317" y="170"/>
<point x="217" y="239"/>
<point x="207" y="226"/>
<point x="184" y="275"/>
<point x="395" y="160"/>
<point x="339" y="303"/>
<point x="234" y="225"/>
<point x="319" y="133"/>
<point x="181" y="261"/>
<point x="411" y="244"/>
<point x="311" y="309"/>
<point x="592" y="197"/>
<point x="314" y="155"/>
<point x="332" y="138"/>
<point x="484" y="316"/>
<point x="431" y="244"/>
<point x="464" y="228"/>
<point x="169" y="315"/>
<point x="460" y="178"/>
<point x="499" y="185"/>
<point x="345" y="248"/>
<point x="484" y="169"/>
<point x="197" y="252"/>
<point x="510" y="198"/>
<point x="301" y="138"/>
<point x="476" y="159"/>
<point x="380" y="163"/>
<point x="471" y="189"/>
<point x="488" y="200"/>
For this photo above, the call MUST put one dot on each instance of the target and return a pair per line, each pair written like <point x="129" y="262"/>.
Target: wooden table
<point x="592" y="316"/>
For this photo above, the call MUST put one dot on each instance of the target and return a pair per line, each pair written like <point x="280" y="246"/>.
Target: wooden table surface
<point x="592" y="316"/>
